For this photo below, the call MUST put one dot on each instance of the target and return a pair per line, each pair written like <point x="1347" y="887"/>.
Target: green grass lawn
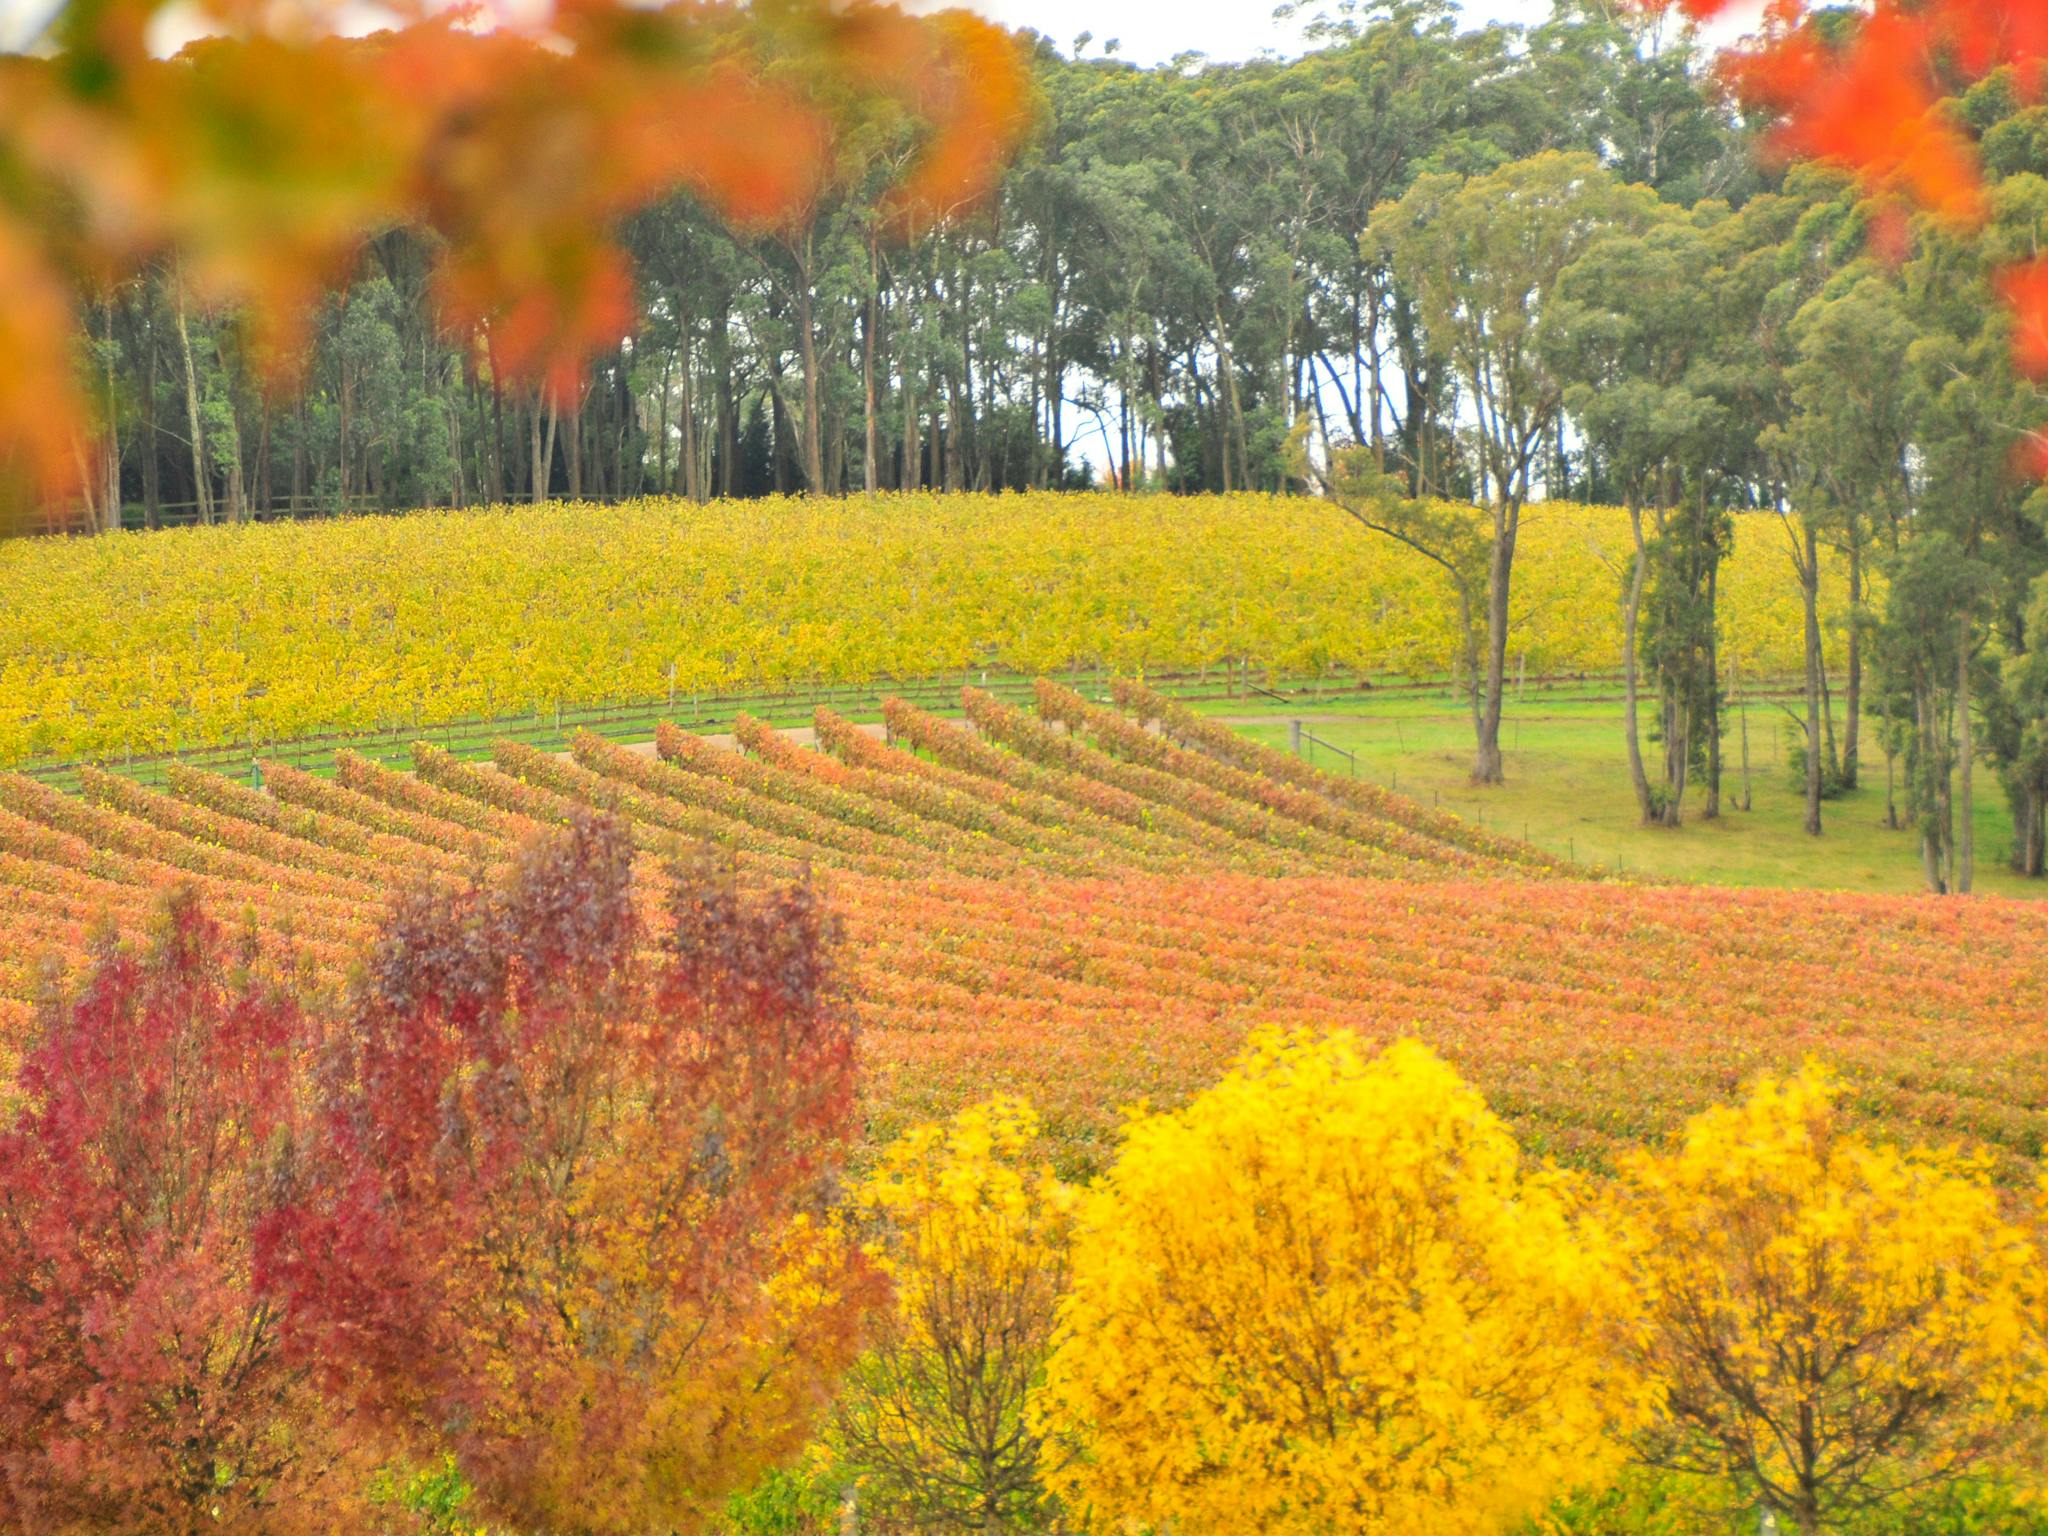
<point x="1568" y="790"/>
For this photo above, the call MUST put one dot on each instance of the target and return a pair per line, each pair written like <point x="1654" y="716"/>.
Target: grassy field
<point x="1568" y="791"/>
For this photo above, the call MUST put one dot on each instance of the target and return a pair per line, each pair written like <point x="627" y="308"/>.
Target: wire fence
<point x="793" y="704"/>
<point x="77" y="518"/>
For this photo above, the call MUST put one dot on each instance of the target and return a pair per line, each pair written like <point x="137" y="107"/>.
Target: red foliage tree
<point x="559" y="1216"/>
<point x="144" y="1382"/>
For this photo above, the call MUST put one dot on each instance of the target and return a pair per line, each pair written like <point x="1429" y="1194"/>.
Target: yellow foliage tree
<point x="973" y="1228"/>
<point x="1326" y="1296"/>
<point x="1829" y="1321"/>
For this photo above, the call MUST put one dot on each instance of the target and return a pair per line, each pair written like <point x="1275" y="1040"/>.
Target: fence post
<point x="1294" y="736"/>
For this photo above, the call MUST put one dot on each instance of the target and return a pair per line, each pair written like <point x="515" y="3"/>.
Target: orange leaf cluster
<point x="260" y="158"/>
<point x="1879" y="106"/>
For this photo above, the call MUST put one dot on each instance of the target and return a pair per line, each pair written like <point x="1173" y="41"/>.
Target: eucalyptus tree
<point x="1628" y="330"/>
<point x="1958" y="602"/>
<point x="1853" y="424"/>
<point x="1813" y="230"/>
<point x="1482" y="257"/>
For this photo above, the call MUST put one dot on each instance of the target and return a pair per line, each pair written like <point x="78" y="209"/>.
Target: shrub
<point x="564" y="1212"/>
<point x="973" y="1229"/>
<point x="1830" y="1321"/>
<point x="145" y="1382"/>
<point x="1326" y="1296"/>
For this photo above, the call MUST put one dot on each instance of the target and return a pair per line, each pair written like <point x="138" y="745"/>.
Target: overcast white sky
<point x="1153" y="31"/>
<point x="1150" y="31"/>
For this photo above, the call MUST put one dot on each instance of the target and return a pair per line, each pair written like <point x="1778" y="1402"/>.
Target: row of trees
<point x="1423" y="269"/>
<point x="546" y="1223"/>
<point x="1813" y="358"/>
<point x="1167" y="281"/>
<point x="251" y="172"/>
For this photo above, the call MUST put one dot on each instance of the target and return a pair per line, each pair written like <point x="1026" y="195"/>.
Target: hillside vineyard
<point x="261" y="633"/>
<point x="1123" y="891"/>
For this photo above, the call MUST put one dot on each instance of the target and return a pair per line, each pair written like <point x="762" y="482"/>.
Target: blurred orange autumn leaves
<point x="1876" y="97"/>
<point x="260" y="158"/>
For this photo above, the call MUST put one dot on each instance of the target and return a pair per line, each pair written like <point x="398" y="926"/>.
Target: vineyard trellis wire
<point x="635" y="718"/>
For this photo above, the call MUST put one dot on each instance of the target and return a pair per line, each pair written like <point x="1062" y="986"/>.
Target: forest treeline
<point x="1170" y="277"/>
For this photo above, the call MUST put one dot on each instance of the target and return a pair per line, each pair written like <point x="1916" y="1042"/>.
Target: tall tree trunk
<point x="870" y="441"/>
<point x="1853" y="701"/>
<point x="110" y="435"/>
<point x="263" y="498"/>
<point x="346" y="401"/>
<point x="301" y="456"/>
<point x="536" y="471"/>
<point x="628" y="426"/>
<point x="1966" y="800"/>
<point x="547" y="452"/>
<point x="1809" y="593"/>
<point x="912" y="477"/>
<point x="1712" y="812"/>
<point x="956" y="467"/>
<point x="1931" y="718"/>
<point x="1487" y="767"/>
<point x="152" y="474"/>
<point x="499" y="492"/>
<point x="1055" y="394"/>
<point x="725" y="425"/>
<point x="1631" y="614"/>
<point x="728" y="424"/>
<point x="1233" y="404"/>
<point x="811" y="429"/>
<point x="575" y="426"/>
<point x="2030" y="840"/>
<point x="779" y="435"/>
<point x="1746" y="801"/>
<point x="1677" y="757"/>
<point x="238" y="500"/>
<point x="202" y="492"/>
<point x="691" y="450"/>
<point x="669" y="486"/>
<point x="456" y="487"/>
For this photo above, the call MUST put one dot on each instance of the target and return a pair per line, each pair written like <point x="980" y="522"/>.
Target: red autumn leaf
<point x="2024" y="288"/>
<point x="976" y="93"/>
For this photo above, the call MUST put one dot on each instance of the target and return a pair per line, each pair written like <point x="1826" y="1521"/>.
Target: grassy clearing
<point x="1568" y="790"/>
